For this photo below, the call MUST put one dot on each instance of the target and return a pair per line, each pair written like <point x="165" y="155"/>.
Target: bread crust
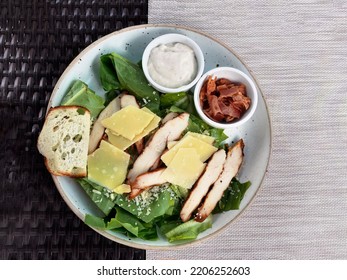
<point x="42" y="146"/>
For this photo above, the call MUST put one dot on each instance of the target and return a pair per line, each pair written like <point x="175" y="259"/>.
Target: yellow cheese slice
<point x="128" y="122"/>
<point x="123" y="188"/>
<point x="124" y="143"/>
<point x="170" y="144"/>
<point x="202" y="137"/>
<point x="108" y="165"/>
<point x="203" y="149"/>
<point x="184" y="169"/>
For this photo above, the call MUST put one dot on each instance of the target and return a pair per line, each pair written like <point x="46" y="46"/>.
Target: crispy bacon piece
<point x="230" y="168"/>
<point x="222" y="100"/>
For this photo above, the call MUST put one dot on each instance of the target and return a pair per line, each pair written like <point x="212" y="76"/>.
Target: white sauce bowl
<point x="167" y="39"/>
<point x="233" y="75"/>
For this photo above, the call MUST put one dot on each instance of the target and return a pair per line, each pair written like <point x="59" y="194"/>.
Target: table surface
<point x="38" y="39"/>
<point x="298" y="52"/>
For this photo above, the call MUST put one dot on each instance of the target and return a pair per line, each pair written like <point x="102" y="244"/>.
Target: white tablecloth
<point x="298" y="53"/>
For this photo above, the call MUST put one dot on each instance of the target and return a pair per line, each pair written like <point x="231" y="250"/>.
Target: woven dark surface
<point x="38" y="39"/>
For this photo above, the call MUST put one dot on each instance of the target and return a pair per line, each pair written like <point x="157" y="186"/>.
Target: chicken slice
<point x="128" y="100"/>
<point x="134" y="193"/>
<point x="212" y="171"/>
<point x="170" y="131"/>
<point x="230" y="168"/>
<point x="156" y="164"/>
<point x="98" y="129"/>
<point x="169" y="117"/>
<point x="149" y="179"/>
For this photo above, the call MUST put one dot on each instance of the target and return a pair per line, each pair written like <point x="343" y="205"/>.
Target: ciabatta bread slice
<point x="64" y="140"/>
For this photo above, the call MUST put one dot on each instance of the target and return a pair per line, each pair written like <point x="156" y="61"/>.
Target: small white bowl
<point x="173" y="38"/>
<point x="233" y="75"/>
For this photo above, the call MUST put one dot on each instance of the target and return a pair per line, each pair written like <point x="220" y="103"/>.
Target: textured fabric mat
<point x="298" y="52"/>
<point x="38" y="39"/>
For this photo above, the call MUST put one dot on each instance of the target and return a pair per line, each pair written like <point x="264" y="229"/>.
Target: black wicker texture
<point x="38" y="39"/>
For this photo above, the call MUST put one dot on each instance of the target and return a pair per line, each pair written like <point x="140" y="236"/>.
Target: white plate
<point x="130" y="43"/>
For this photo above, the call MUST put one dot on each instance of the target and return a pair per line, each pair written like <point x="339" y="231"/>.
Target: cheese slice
<point x="202" y="137"/>
<point x="203" y="149"/>
<point x="124" y="143"/>
<point x="171" y="144"/>
<point x="108" y="165"/>
<point x="184" y="169"/>
<point x="128" y="122"/>
<point x="123" y="188"/>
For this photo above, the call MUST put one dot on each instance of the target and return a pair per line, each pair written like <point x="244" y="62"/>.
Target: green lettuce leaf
<point x="185" y="231"/>
<point x="99" y="195"/>
<point x="113" y="224"/>
<point x="232" y="196"/>
<point x="95" y="222"/>
<point x="134" y="225"/>
<point x="80" y="95"/>
<point x="108" y="75"/>
<point x="131" y="78"/>
<point x="179" y="99"/>
<point x="110" y="95"/>
<point x="219" y="135"/>
<point x="161" y="201"/>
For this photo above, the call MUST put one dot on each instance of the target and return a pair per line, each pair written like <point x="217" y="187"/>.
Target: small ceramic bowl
<point x="167" y="39"/>
<point x="233" y="75"/>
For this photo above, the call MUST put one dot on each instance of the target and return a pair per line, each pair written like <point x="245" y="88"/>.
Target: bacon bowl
<point x="235" y="76"/>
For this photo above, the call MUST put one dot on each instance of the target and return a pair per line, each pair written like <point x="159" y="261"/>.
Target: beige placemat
<point x="298" y="52"/>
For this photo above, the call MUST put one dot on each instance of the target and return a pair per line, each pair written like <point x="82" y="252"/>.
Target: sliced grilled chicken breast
<point x="128" y="100"/>
<point x="169" y="117"/>
<point x="156" y="164"/>
<point x="134" y="193"/>
<point x="98" y="129"/>
<point x="212" y="171"/>
<point x="230" y="168"/>
<point x="149" y="179"/>
<point x="170" y="131"/>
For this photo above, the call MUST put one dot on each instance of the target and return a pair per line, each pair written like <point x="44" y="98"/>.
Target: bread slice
<point x="64" y="141"/>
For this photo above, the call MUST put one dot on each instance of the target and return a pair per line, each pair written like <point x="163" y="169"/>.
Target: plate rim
<point x="192" y="242"/>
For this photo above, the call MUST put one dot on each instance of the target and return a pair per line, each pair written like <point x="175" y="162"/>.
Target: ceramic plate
<point x="130" y="43"/>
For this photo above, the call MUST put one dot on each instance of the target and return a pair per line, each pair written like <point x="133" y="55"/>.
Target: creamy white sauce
<point x="172" y="65"/>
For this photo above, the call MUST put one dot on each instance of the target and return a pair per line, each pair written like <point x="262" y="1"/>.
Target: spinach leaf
<point x="232" y="196"/>
<point x="131" y="78"/>
<point x="80" y="95"/>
